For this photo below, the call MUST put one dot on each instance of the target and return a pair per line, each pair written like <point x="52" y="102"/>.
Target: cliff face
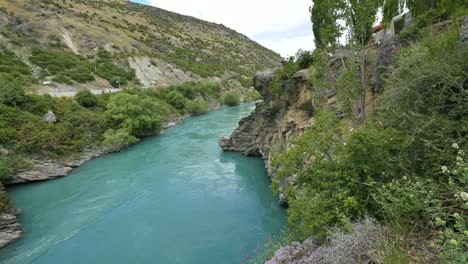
<point x="276" y="121"/>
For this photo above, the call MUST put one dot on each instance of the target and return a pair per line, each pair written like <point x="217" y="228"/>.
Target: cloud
<point x="281" y="25"/>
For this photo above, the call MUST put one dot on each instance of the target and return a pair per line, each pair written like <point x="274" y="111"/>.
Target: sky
<point x="281" y="25"/>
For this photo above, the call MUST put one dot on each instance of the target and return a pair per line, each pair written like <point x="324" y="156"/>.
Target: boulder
<point x="50" y="117"/>
<point x="3" y="152"/>
<point x="464" y="31"/>
<point x="302" y="75"/>
<point x="262" y="80"/>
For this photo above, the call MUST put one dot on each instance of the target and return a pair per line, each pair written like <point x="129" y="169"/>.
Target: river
<point x="173" y="198"/>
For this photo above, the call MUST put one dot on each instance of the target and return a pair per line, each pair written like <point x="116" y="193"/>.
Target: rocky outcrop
<point x="50" y="169"/>
<point x="276" y="121"/>
<point x="464" y="31"/>
<point x="10" y="229"/>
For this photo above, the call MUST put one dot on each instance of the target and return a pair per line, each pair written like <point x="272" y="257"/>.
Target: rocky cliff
<point x="276" y="121"/>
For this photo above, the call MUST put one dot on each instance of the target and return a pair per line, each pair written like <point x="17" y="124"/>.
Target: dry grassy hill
<point x="99" y="44"/>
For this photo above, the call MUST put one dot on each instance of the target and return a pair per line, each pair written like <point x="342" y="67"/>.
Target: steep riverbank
<point x="276" y="121"/>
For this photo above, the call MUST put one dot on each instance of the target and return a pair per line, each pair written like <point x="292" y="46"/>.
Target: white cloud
<point x="253" y="18"/>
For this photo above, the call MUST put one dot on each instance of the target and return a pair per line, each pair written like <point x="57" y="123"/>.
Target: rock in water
<point x="50" y="117"/>
<point x="10" y="229"/>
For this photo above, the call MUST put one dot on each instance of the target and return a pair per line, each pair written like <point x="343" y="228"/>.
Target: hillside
<point x="100" y="44"/>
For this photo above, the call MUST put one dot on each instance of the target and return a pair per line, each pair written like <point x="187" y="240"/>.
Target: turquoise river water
<point x="173" y="198"/>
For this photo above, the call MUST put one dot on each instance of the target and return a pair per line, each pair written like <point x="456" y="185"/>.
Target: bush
<point x="64" y="65"/>
<point x="197" y="107"/>
<point x="4" y="170"/>
<point x="5" y="202"/>
<point x="138" y="114"/>
<point x="38" y="104"/>
<point x="86" y="98"/>
<point x="304" y="59"/>
<point x="176" y="99"/>
<point x="118" y="140"/>
<point x="231" y="98"/>
<point x="252" y="95"/>
<point x="107" y="69"/>
<point x="425" y="96"/>
<point x="338" y="177"/>
<point x="12" y="94"/>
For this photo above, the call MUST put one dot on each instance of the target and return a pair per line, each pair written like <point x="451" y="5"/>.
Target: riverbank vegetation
<point x="109" y="121"/>
<point x="397" y="154"/>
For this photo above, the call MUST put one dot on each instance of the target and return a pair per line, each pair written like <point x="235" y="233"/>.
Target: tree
<point x="231" y="98"/>
<point x="137" y="114"/>
<point x="176" y="99"/>
<point x="85" y="98"/>
<point x="358" y="16"/>
<point x="325" y="16"/>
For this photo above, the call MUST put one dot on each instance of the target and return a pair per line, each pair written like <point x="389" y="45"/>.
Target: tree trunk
<point x="364" y="85"/>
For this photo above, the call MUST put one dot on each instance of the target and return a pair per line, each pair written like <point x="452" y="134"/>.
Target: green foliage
<point x="193" y="90"/>
<point x="252" y="95"/>
<point x="63" y="64"/>
<point x="4" y="170"/>
<point x="5" y="202"/>
<point x="118" y="140"/>
<point x="12" y="94"/>
<point x="38" y="104"/>
<point x="13" y="70"/>
<point x="86" y="99"/>
<point x="304" y="58"/>
<point x="324" y="15"/>
<point x="426" y="96"/>
<point x="231" y="98"/>
<point x="137" y="114"/>
<point x="176" y="99"/>
<point x="107" y="69"/>
<point x="197" y="107"/>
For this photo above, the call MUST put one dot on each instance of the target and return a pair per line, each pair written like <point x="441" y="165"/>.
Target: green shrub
<point x="231" y="98"/>
<point x="86" y="98"/>
<point x="4" y="170"/>
<point x="304" y="59"/>
<point x="12" y="94"/>
<point x="107" y="69"/>
<point x="425" y="96"/>
<point x="5" y="202"/>
<point x="138" y="114"/>
<point x="38" y="104"/>
<point x="176" y="99"/>
<point x="252" y="95"/>
<point x="64" y="65"/>
<point x="118" y="140"/>
<point x="14" y="70"/>
<point x="197" y="107"/>
<point x="335" y="174"/>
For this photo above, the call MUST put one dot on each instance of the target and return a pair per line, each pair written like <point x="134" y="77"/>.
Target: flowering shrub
<point x="451" y="220"/>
